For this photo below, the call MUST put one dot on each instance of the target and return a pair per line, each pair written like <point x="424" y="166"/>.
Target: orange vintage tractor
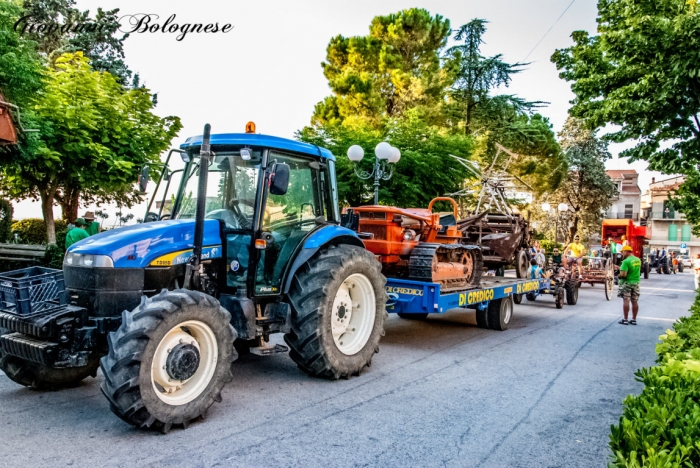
<point x="416" y="243"/>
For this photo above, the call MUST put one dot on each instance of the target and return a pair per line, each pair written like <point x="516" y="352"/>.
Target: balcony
<point x="666" y="216"/>
<point x="632" y="216"/>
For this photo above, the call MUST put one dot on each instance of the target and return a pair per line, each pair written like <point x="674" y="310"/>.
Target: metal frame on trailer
<point x="416" y="297"/>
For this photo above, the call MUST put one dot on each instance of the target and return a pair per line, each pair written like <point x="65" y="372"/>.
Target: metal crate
<point x="31" y="291"/>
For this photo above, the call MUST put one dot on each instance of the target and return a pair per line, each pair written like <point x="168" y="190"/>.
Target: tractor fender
<point x="327" y="235"/>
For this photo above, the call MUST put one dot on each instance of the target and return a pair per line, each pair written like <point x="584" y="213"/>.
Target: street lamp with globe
<point x="385" y="158"/>
<point x="561" y="208"/>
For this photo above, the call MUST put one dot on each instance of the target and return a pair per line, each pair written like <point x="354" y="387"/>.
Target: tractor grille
<point x="378" y="232"/>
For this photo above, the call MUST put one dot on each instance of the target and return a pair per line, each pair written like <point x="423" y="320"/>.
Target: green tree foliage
<point x="95" y="137"/>
<point x="587" y="189"/>
<point x="640" y="73"/>
<point x="103" y="45"/>
<point x="6" y="212"/>
<point x="33" y="230"/>
<point x="395" y="68"/>
<point x="425" y="170"/>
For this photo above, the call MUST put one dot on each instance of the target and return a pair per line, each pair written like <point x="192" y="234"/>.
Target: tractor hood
<point x="160" y="243"/>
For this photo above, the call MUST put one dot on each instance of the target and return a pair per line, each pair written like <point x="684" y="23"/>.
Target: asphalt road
<point x="440" y="393"/>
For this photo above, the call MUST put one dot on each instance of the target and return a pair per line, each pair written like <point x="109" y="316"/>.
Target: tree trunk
<point x="70" y="203"/>
<point x="47" y="195"/>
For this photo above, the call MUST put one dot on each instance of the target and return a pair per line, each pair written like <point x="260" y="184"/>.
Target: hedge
<point x="33" y="231"/>
<point x="661" y="426"/>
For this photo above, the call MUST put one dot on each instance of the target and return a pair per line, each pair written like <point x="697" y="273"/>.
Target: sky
<point x="267" y="68"/>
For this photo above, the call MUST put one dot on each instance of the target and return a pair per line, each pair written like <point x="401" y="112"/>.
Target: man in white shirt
<point x="696" y="269"/>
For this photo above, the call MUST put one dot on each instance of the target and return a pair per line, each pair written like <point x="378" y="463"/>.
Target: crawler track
<point x="453" y="266"/>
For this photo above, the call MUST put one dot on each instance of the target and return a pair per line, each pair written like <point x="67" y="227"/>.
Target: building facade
<point x="627" y="203"/>
<point x="668" y="227"/>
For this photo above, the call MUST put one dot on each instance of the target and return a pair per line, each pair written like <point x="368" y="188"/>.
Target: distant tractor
<point x="253" y="247"/>
<point x="635" y="235"/>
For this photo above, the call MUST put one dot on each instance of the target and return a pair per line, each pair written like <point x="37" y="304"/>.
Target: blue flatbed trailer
<point x="492" y="299"/>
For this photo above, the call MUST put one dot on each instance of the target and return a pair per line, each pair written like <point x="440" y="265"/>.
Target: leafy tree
<point x="425" y="170"/>
<point x="395" y="68"/>
<point x="102" y="45"/>
<point x="587" y="189"/>
<point x="640" y="74"/>
<point x="6" y="212"/>
<point x="95" y="138"/>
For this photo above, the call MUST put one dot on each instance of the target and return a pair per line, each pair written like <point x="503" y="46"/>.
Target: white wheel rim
<point x="509" y="312"/>
<point x="179" y="392"/>
<point x="353" y="314"/>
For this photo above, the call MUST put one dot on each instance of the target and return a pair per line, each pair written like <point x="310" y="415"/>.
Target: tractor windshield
<point x="231" y="188"/>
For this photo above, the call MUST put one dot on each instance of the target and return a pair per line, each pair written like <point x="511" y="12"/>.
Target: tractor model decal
<point x="407" y="291"/>
<point x="182" y="256"/>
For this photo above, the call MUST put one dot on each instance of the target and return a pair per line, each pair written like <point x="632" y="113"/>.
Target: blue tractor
<point x="251" y="245"/>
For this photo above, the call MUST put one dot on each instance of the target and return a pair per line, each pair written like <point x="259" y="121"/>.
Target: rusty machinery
<point x="418" y="244"/>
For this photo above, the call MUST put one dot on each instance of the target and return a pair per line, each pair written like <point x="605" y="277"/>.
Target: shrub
<point x="549" y="245"/>
<point x="6" y="211"/>
<point x="33" y="230"/>
<point x="661" y="426"/>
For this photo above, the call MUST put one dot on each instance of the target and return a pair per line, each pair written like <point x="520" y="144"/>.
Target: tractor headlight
<point x="409" y="234"/>
<point x="88" y="260"/>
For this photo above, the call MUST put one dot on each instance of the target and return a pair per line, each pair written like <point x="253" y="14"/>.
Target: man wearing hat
<point x="78" y="233"/>
<point x="628" y="290"/>
<point x="92" y="226"/>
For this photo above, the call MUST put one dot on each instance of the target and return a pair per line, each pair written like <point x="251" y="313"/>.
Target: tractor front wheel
<point x="169" y="359"/>
<point x="571" y="292"/>
<point x="338" y="306"/>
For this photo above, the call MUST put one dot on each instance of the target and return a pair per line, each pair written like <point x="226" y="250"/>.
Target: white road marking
<point x="667" y="289"/>
<point x="643" y="317"/>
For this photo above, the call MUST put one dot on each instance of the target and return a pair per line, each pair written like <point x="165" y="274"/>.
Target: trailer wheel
<point x="571" y="292"/>
<point x="40" y="377"/>
<point x="500" y="312"/>
<point x="413" y="316"/>
<point x="531" y="296"/>
<point x="666" y="269"/>
<point x="521" y="264"/>
<point x="517" y="298"/>
<point x="338" y="303"/>
<point x="169" y="359"/>
<point x="559" y="298"/>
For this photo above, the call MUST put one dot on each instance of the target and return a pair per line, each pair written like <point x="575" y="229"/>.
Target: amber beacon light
<point x="250" y="127"/>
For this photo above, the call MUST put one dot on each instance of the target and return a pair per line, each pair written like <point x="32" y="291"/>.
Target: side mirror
<point x="279" y="179"/>
<point x="143" y="179"/>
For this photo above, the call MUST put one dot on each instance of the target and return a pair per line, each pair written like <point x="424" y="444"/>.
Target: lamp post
<point x="385" y="158"/>
<point x="561" y="208"/>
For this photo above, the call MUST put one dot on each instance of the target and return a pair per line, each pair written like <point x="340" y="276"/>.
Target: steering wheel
<point x="244" y="222"/>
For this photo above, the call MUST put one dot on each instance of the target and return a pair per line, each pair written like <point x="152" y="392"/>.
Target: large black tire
<point x="521" y="264"/>
<point x="129" y="385"/>
<point x="571" y="292"/>
<point x="312" y="296"/>
<point x="665" y="267"/>
<point x="517" y="298"/>
<point x="531" y="296"/>
<point x="559" y="298"/>
<point x="680" y="267"/>
<point x="646" y="270"/>
<point x="500" y="313"/>
<point x="413" y="316"/>
<point x="40" y="377"/>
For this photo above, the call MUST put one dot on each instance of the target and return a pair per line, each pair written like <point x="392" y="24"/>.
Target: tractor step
<point x="269" y="350"/>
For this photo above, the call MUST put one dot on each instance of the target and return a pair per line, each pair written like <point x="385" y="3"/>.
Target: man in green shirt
<point x="78" y="233"/>
<point x="93" y="227"/>
<point x="629" y="285"/>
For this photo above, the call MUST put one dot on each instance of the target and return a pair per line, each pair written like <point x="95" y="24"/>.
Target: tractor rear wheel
<point x="571" y="292"/>
<point x="338" y="303"/>
<point x="500" y="312"/>
<point x="169" y="359"/>
<point x="40" y="377"/>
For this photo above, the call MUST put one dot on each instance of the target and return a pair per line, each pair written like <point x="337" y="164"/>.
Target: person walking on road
<point x="696" y="270"/>
<point x="78" y="233"/>
<point x="629" y="285"/>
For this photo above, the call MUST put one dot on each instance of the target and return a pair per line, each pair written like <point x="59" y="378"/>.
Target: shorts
<point x="629" y="291"/>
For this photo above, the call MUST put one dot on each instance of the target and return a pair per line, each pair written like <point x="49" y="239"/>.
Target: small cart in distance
<point x="492" y="300"/>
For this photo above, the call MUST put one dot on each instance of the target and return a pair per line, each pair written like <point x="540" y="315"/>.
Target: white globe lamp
<point x="563" y="207"/>
<point x="546" y="207"/>
<point x="395" y="155"/>
<point x="383" y="150"/>
<point x="355" y="153"/>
